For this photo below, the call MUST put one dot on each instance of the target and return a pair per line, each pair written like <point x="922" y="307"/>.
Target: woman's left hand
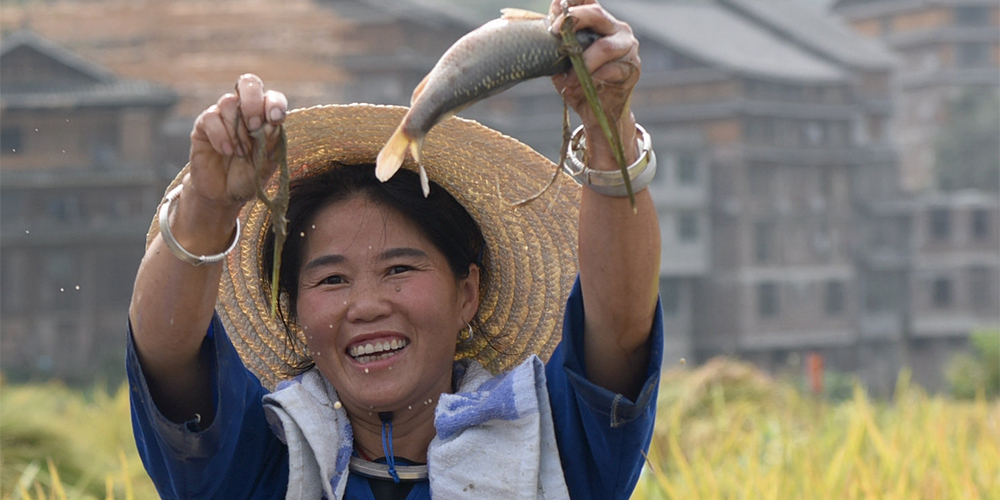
<point x="613" y="62"/>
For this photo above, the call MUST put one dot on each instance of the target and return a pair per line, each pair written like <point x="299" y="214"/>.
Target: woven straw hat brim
<point x="531" y="254"/>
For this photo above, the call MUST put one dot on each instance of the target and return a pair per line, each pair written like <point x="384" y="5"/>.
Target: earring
<point x="466" y="335"/>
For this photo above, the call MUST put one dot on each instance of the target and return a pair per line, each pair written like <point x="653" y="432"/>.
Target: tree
<point x="968" y="148"/>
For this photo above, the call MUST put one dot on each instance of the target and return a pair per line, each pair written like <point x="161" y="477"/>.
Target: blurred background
<point x="827" y="190"/>
<point x="827" y="185"/>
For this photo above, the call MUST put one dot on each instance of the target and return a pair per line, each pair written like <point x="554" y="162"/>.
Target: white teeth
<point x="380" y="350"/>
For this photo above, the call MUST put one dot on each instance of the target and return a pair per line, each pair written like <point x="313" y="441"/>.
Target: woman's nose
<point x="367" y="301"/>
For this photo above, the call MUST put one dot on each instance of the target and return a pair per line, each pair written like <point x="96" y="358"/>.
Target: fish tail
<point x="391" y="157"/>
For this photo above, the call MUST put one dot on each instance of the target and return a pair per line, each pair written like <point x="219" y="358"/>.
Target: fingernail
<point x="277" y="114"/>
<point x="227" y="148"/>
<point x="254" y="123"/>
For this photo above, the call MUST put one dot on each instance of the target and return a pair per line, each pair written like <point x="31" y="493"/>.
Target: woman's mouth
<point x="374" y="351"/>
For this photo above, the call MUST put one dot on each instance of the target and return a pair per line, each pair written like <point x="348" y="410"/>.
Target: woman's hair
<point x="439" y="218"/>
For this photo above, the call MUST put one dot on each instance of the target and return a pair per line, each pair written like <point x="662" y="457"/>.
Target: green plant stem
<point x="575" y="53"/>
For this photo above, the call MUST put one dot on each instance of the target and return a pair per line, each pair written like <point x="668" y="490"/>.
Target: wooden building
<point x="80" y="176"/>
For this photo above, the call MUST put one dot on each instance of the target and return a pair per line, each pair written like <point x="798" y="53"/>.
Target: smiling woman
<point x="427" y="342"/>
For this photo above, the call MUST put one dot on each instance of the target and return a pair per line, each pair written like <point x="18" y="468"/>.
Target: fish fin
<point x="419" y="89"/>
<point x="391" y="157"/>
<point x="425" y="183"/>
<point x="514" y="14"/>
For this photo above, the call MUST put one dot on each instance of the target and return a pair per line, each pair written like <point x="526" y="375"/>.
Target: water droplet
<point x="314" y="226"/>
<point x="683" y="361"/>
<point x="319" y="353"/>
<point x="331" y="325"/>
<point x="12" y="150"/>
<point x="409" y="407"/>
<point x="302" y="234"/>
<point x="399" y="289"/>
<point x="337" y="405"/>
<point x="390" y="368"/>
<point x="36" y="130"/>
<point x="27" y="232"/>
<point x="77" y="287"/>
<point x="369" y="247"/>
<point x="171" y="321"/>
<point x="64" y="151"/>
<point x="62" y="289"/>
<point x="366" y="370"/>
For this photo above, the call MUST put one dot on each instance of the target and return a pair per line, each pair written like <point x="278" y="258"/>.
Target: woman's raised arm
<point x="619" y="251"/>
<point x="173" y="300"/>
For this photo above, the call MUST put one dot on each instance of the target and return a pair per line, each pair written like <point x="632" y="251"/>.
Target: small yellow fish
<point x="486" y="61"/>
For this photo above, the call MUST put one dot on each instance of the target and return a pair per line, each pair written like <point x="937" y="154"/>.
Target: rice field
<point x="725" y="430"/>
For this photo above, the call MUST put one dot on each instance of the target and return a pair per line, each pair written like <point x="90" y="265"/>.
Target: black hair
<point x="439" y="217"/>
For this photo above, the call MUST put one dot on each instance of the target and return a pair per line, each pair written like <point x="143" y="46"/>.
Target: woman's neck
<point x="412" y="431"/>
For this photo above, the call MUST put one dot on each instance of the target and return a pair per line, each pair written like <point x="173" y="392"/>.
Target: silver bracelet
<point x="610" y="182"/>
<point x="176" y="248"/>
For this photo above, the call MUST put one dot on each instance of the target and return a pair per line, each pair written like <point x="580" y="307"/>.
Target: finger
<point x="556" y="8"/>
<point x="251" y="91"/>
<point x="208" y="126"/>
<point x="611" y="55"/>
<point x="276" y="105"/>
<point x="228" y="113"/>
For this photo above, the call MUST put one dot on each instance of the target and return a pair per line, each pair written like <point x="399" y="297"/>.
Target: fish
<point x="514" y="48"/>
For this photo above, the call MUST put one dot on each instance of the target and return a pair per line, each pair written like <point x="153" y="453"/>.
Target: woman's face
<point x="380" y="307"/>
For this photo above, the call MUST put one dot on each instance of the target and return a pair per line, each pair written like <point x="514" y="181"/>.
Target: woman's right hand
<point x="222" y="168"/>
<point x="222" y="174"/>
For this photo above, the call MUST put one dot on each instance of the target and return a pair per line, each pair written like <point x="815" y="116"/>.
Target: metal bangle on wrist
<point x="176" y="248"/>
<point x="610" y="182"/>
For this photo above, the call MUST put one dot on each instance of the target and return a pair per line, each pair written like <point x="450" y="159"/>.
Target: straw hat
<point x="531" y="249"/>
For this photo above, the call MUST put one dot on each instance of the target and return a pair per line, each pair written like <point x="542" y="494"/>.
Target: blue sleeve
<point x="236" y="457"/>
<point x="601" y="435"/>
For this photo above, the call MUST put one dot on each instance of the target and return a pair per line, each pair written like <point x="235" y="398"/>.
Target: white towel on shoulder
<point x="495" y="436"/>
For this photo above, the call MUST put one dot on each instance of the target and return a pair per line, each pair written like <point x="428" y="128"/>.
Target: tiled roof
<point x="819" y="31"/>
<point x="715" y="35"/>
<point x="101" y="88"/>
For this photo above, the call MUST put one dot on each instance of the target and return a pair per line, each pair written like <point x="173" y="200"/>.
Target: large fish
<point x="486" y="61"/>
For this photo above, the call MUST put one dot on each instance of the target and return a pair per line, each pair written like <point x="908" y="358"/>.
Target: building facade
<point x="946" y="48"/>
<point x="79" y="178"/>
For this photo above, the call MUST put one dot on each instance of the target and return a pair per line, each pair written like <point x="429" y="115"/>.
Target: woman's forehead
<point x="359" y="218"/>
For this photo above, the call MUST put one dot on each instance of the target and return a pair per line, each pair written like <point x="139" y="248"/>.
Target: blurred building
<point x="785" y="226"/>
<point x="79" y="180"/>
<point x="946" y="48"/>
<point x="931" y="259"/>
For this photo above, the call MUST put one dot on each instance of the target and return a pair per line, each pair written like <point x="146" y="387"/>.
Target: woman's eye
<point x="399" y="269"/>
<point x="332" y="280"/>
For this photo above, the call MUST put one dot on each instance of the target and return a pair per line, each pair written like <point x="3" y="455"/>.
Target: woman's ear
<point x="469" y="293"/>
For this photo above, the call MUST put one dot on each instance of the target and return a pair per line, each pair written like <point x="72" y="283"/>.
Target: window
<point x="762" y="234"/>
<point x="687" y="226"/>
<point x="973" y="54"/>
<point x="834" y="298"/>
<point x="942" y="293"/>
<point x="687" y="168"/>
<point x="11" y="141"/>
<point x="979" y="288"/>
<point x="670" y="296"/>
<point x="980" y="224"/>
<point x="972" y="15"/>
<point x="767" y="300"/>
<point x="940" y="224"/>
<point x="58" y="280"/>
<point x="884" y="291"/>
